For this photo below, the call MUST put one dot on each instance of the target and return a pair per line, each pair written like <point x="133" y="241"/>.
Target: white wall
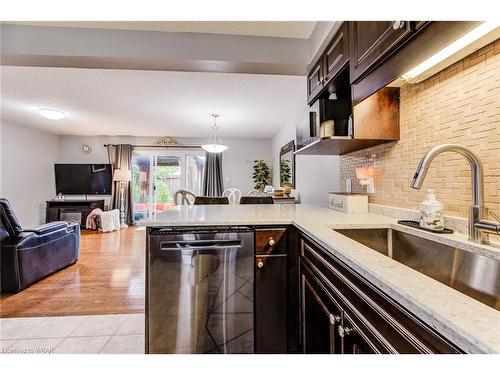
<point x="237" y="161"/>
<point x="315" y="176"/>
<point x="27" y="161"/>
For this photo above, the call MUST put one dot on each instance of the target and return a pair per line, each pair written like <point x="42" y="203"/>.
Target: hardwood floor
<point x="107" y="279"/>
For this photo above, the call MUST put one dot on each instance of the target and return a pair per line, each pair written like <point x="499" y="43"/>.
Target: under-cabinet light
<point x="459" y="44"/>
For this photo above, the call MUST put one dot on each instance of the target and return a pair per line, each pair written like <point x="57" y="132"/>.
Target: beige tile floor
<point x="90" y="334"/>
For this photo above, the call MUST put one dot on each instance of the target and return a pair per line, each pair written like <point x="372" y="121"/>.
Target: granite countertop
<point x="470" y="324"/>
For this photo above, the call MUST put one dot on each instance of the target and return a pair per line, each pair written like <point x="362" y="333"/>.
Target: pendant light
<point x="214" y="144"/>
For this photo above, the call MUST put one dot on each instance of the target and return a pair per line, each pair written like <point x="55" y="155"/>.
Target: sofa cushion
<point x="9" y="219"/>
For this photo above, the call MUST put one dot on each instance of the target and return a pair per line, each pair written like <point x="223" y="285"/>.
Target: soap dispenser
<point x="431" y="212"/>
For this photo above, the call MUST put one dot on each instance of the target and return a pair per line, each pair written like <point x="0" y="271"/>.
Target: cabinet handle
<point x="334" y="319"/>
<point x="260" y="264"/>
<point x="344" y="331"/>
<point x="398" y="25"/>
<point x="271" y="242"/>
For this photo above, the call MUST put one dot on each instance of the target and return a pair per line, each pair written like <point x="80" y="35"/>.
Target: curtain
<point x="213" y="185"/>
<point x="120" y="157"/>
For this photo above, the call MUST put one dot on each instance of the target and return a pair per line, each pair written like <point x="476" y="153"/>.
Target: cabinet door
<point x="336" y="54"/>
<point x="315" y="81"/>
<point x="353" y="339"/>
<point x="372" y="41"/>
<point x="271" y="304"/>
<point x="321" y="318"/>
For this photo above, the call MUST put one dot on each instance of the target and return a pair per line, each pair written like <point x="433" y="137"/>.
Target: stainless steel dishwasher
<point x="199" y="290"/>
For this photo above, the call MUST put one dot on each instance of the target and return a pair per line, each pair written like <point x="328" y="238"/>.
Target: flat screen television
<point x="91" y="179"/>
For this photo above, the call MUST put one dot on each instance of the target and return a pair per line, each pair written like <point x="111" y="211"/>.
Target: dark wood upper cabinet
<point x="315" y="81"/>
<point x="372" y="41"/>
<point x="336" y="54"/>
<point x="408" y="49"/>
<point x="330" y="63"/>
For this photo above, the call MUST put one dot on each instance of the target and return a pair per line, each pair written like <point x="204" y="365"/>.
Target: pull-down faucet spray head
<point x="474" y="162"/>
<point x="479" y="227"/>
<point x="419" y="175"/>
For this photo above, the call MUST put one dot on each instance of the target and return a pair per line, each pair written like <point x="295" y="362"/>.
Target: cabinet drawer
<point x="389" y="326"/>
<point x="270" y="241"/>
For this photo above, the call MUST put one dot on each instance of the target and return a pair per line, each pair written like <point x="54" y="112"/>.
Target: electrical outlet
<point x="348" y="186"/>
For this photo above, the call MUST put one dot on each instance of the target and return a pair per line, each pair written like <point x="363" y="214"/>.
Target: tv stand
<point x="71" y="210"/>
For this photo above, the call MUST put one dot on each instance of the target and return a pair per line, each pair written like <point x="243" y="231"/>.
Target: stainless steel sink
<point x="474" y="275"/>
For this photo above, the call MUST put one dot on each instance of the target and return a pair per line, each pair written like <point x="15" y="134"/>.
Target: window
<point x="157" y="175"/>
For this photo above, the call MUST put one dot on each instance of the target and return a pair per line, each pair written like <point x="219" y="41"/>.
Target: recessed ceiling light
<point x="51" y="114"/>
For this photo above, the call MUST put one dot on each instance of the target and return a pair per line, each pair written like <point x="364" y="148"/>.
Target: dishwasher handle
<point x="200" y="245"/>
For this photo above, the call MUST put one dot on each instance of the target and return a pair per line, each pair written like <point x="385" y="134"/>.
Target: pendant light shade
<point x="214" y="144"/>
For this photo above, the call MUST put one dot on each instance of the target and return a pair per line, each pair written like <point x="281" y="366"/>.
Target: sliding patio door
<point x="158" y="174"/>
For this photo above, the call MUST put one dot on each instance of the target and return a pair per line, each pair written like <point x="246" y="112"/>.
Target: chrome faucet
<point x="479" y="227"/>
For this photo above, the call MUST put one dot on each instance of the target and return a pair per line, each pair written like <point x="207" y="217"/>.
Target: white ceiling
<point x="283" y="29"/>
<point x="150" y="103"/>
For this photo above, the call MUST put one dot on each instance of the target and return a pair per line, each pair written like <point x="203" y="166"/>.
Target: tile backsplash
<point x="460" y="104"/>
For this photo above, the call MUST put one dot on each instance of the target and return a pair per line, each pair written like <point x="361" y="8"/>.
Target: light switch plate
<point x="348" y="186"/>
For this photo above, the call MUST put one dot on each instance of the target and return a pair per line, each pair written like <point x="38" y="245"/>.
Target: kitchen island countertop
<point x="473" y="326"/>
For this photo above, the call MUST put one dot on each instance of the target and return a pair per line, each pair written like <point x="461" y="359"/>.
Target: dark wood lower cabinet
<point x="353" y="338"/>
<point x="326" y="328"/>
<point x="343" y="313"/>
<point x="307" y="300"/>
<point x="271" y="303"/>
<point x="273" y="291"/>
<point x="321" y="318"/>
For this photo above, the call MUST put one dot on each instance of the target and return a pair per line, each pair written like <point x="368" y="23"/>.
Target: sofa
<point x="27" y="256"/>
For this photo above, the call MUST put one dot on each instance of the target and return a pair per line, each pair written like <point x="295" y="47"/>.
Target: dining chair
<point x="254" y="192"/>
<point x="263" y="199"/>
<point x="233" y="195"/>
<point x="199" y="200"/>
<point x="184" y="197"/>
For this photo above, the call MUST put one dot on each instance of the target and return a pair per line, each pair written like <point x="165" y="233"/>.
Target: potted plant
<point x="261" y="174"/>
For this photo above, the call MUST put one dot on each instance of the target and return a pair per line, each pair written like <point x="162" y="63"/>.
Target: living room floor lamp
<point x="122" y="176"/>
